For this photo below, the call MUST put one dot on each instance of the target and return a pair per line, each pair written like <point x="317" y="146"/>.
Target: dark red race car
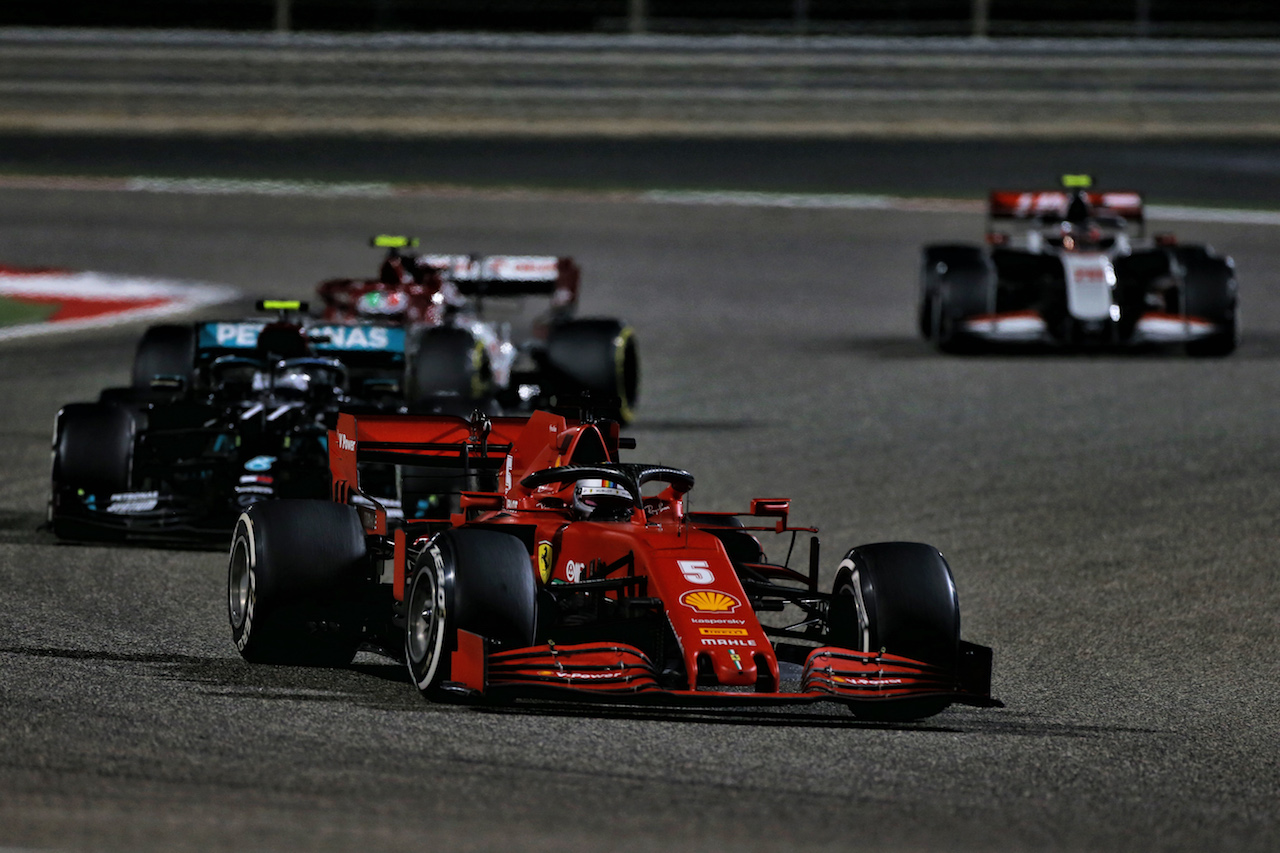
<point x="571" y="574"/>
<point x="422" y="289"/>
<point x="492" y="328"/>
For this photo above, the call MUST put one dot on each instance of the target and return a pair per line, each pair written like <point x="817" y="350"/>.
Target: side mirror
<point x="778" y="508"/>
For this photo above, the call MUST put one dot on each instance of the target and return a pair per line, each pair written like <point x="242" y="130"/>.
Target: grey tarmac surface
<point x="1223" y="173"/>
<point x="1110" y="520"/>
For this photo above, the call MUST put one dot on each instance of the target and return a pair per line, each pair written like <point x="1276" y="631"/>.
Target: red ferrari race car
<point x="1081" y="275"/>
<point x="472" y="338"/>
<point x="570" y="574"/>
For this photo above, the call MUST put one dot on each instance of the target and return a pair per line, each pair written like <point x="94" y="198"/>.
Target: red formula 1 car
<point x="472" y="339"/>
<point x="571" y="574"/>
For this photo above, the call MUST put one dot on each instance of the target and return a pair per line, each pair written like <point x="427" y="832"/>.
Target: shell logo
<point x="710" y="601"/>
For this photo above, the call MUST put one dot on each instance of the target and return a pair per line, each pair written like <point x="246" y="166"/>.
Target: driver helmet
<point x="1086" y="236"/>
<point x="602" y="499"/>
<point x="283" y="340"/>
<point x="1078" y="208"/>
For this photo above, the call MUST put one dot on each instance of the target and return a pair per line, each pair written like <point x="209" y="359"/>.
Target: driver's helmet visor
<point x="589" y="495"/>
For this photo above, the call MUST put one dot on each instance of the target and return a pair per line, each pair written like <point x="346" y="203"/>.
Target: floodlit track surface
<point x="1110" y="521"/>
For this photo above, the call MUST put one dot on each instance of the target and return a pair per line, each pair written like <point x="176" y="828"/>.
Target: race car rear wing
<point x="354" y="343"/>
<point x="464" y="446"/>
<point x="509" y="275"/>
<point x="1023" y="204"/>
<point x="443" y="440"/>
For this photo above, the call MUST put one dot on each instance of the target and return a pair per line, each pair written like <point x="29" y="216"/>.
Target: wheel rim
<point x="425" y="616"/>
<point x="853" y="586"/>
<point x="239" y="582"/>
<point x="864" y="619"/>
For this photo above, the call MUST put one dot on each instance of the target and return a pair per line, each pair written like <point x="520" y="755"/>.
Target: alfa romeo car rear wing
<point x="509" y="275"/>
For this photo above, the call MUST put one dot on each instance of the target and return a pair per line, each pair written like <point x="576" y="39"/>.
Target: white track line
<point x="378" y="189"/>
<point x="1176" y="213"/>
<point x="815" y="201"/>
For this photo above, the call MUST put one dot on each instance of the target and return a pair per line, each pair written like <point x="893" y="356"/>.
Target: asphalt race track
<point x="1110" y="520"/>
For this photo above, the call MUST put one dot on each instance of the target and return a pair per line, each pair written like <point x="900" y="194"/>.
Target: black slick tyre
<point x="956" y="282"/>
<point x="448" y="370"/>
<point x="897" y="597"/>
<point x="472" y="580"/>
<point x="294" y="583"/>
<point x="739" y="545"/>
<point x="1221" y="343"/>
<point x="598" y="357"/>
<point x="168" y="350"/>
<point x="1209" y="292"/>
<point x="93" y="448"/>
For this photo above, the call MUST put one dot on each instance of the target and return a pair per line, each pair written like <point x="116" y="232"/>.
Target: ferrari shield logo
<point x="544" y="561"/>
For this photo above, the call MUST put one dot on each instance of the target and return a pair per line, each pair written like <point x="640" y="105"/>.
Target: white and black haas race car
<point x="1082" y="275"/>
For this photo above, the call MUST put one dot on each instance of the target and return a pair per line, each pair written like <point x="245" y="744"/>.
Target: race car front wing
<point x="616" y="672"/>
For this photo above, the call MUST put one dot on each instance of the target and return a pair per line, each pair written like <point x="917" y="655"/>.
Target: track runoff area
<point x="45" y="301"/>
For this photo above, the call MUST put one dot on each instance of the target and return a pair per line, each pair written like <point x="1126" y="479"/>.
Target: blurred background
<point x="1176" y="18"/>
<point x="921" y="97"/>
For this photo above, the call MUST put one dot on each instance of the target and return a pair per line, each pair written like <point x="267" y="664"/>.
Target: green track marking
<point x="13" y="312"/>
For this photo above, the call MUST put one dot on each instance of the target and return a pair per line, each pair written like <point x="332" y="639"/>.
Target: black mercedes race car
<point x="1082" y="275"/>
<point x="219" y="415"/>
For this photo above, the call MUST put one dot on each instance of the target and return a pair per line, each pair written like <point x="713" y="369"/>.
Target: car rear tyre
<point x="92" y="455"/>
<point x="598" y="357"/>
<point x="466" y="580"/>
<point x="93" y="447"/>
<point x="897" y="597"/>
<point x="739" y="545"/>
<point x="448" y="370"/>
<point x="294" y="583"/>
<point x="168" y="350"/>
<point x="1221" y="343"/>
<point x="1209" y="292"/>
<point x="956" y="282"/>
